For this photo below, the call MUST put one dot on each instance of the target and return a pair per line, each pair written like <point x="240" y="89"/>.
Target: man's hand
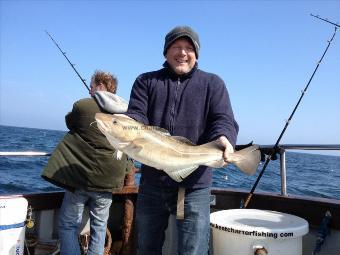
<point x="228" y="148"/>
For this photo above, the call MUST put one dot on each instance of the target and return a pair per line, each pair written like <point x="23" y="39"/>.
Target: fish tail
<point x="247" y="160"/>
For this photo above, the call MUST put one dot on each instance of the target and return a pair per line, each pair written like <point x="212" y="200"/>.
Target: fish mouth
<point x="103" y="125"/>
<point x="102" y="122"/>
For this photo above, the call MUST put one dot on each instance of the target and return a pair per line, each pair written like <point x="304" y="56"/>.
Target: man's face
<point x="181" y="56"/>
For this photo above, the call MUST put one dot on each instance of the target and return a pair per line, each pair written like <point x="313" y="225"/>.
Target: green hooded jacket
<point x="84" y="158"/>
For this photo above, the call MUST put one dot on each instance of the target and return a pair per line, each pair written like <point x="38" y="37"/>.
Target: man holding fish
<point x="190" y="103"/>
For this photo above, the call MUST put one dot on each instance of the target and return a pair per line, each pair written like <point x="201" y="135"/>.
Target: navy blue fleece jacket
<point x="195" y="105"/>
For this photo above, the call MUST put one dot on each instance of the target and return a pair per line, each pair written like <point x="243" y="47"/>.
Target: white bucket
<point x="243" y="231"/>
<point x="13" y="212"/>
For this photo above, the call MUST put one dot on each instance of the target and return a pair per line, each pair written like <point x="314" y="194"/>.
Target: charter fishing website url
<point x="253" y="233"/>
<point x="141" y="128"/>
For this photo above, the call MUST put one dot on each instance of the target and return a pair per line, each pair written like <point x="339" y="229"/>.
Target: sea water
<point x="307" y="174"/>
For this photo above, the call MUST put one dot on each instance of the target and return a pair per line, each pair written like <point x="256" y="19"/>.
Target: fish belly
<point x="165" y="157"/>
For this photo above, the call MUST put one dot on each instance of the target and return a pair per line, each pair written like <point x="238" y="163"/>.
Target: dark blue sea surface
<point x="307" y="174"/>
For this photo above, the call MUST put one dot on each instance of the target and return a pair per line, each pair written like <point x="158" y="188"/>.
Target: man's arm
<point x="70" y="118"/>
<point x="138" y="104"/>
<point x="224" y="127"/>
<point x="221" y="120"/>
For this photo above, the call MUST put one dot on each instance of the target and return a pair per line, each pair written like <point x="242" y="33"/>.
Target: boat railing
<point x="24" y="153"/>
<point x="265" y="149"/>
<point x="282" y="152"/>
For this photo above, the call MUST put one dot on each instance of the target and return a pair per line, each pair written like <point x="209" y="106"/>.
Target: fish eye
<point x="114" y="122"/>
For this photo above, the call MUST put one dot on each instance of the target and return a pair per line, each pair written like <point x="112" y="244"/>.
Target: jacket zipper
<point x="173" y="107"/>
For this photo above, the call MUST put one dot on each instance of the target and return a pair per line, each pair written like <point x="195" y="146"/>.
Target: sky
<point x="265" y="51"/>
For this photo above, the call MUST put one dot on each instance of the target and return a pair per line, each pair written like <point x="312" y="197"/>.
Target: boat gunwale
<point x="312" y="209"/>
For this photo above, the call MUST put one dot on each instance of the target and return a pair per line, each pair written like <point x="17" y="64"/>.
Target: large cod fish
<point x="176" y="156"/>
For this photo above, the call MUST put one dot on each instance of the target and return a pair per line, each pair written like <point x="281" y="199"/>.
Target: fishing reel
<point x="271" y="152"/>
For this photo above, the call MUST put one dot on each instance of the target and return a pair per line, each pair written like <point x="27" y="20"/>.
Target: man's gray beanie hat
<point x="182" y="31"/>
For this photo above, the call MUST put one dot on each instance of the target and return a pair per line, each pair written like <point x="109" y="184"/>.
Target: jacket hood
<point x="110" y="102"/>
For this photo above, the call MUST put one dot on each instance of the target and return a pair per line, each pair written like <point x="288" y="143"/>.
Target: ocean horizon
<point x="308" y="174"/>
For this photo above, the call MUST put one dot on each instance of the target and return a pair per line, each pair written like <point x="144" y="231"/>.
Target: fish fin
<point x="247" y="160"/>
<point x="183" y="140"/>
<point x="136" y="145"/>
<point x="181" y="174"/>
<point x="118" y="154"/>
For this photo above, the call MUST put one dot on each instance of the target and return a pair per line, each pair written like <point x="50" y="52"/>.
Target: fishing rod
<point x="326" y="20"/>
<point x="72" y="65"/>
<point x="275" y="149"/>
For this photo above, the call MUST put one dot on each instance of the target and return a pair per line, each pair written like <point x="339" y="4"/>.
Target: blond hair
<point x="107" y="79"/>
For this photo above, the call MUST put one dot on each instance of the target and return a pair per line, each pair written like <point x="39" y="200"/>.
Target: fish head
<point x="118" y="128"/>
